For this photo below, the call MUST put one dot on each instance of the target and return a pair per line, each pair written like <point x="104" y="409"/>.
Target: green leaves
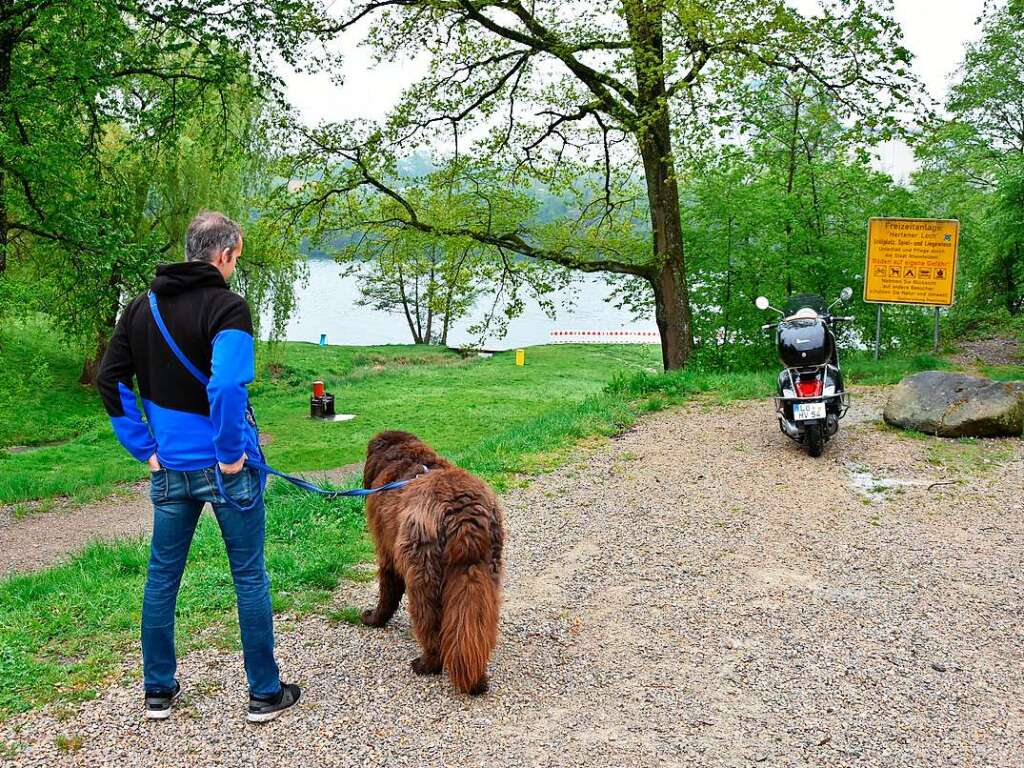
<point x="972" y="166"/>
<point x="119" y="120"/>
<point x="785" y="213"/>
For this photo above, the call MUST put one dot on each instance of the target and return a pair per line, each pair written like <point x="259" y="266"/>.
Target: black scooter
<point x="811" y="398"/>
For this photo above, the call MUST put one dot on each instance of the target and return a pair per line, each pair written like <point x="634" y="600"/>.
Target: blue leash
<point x="265" y="469"/>
<point x="260" y="466"/>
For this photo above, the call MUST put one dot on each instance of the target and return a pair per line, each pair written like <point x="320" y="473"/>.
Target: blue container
<point x="323" y="339"/>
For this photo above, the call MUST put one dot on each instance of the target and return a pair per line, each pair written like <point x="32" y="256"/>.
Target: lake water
<point x="327" y="305"/>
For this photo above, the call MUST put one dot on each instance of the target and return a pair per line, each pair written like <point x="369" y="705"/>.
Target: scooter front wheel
<point x="814" y="439"/>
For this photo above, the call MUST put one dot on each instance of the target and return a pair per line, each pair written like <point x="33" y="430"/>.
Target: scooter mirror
<point x="761" y="302"/>
<point x="846" y="293"/>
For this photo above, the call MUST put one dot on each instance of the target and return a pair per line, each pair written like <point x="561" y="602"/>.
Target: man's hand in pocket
<point x="154" y="463"/>
<point x="232" y="469"/>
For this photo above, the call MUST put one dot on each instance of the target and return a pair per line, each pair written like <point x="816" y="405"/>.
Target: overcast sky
<point x="936" y="31"/>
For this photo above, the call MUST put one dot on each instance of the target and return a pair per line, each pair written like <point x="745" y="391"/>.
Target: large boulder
<point x="957" y="405"/>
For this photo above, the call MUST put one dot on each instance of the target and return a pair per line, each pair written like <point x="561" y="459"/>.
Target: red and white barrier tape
<point x="604" y="337"/>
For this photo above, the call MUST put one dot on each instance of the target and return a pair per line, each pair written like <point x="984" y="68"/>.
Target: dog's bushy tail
<point x="470" y="597"/>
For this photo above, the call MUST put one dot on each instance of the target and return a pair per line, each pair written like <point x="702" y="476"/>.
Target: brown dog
<point x="439" y="539"/>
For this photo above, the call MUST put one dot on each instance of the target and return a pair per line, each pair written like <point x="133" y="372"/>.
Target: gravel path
<point x="34" y="541"/>
<point x="698" y="592"/>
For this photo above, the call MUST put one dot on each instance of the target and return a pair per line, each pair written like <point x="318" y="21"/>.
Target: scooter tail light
<point x="811" y="388"/>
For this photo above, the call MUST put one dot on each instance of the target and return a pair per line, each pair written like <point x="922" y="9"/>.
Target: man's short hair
<point x="209" y="234"/>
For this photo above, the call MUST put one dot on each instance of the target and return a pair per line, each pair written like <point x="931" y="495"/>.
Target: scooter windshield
<point x="800" y="301"/>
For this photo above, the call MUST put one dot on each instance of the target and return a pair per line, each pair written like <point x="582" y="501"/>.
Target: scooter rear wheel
<point x="815" y="439"/>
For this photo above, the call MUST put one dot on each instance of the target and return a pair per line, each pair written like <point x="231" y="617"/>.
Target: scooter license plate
<point x="807" y="411"/>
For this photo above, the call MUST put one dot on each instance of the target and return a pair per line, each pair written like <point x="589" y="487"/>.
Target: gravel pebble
<point x="698" y="592"/>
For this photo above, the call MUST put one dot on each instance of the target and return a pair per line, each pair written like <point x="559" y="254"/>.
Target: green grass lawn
<point x="40" y="397"/>
<point x="862" y="368"/>
<point x="57" y="422"/>
<point x="1004" y="372"/>
<point x="452" y="402"/>
<point x="449" y="400"/>
<point x="65" y="447"/>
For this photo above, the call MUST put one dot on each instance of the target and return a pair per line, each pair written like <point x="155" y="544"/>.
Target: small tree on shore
<point x="432" y="281"/>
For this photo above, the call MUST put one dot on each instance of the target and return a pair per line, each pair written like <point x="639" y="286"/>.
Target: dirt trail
<point x="698" y="593"/>
<point x="992" y="351"/>
<point x="38" y="540"/>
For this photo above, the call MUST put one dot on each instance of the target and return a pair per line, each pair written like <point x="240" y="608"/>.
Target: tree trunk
<point x="727" y="298"/>
<point x="6" y="50"/>
<point x="91" y="367"/>
<point x="418" y="307"/>
<point x="405" y="308"/>
<point x="429" y="335"/>
<point x="1009" y="282"/>
<point x="404" y="297"/>
<point x="653" y="133"/>
<point x="4" y="232"/>
<point x="672" y="314"/>
<point x="668" y="277"/>
<point x="791" y="185"/>
<point x="446" y="313"/>
<point x="444" y="322"/>
<point x="450" y="297"/>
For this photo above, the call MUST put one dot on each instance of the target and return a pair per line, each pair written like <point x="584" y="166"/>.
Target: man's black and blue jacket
<point x="188" y="425"/>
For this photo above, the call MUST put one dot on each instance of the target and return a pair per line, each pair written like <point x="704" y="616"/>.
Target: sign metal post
<point x="878" y="332"/>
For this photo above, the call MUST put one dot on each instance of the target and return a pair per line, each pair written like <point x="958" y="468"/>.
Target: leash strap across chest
<point x="203" y="378"/>
<point x="261" y="467"/>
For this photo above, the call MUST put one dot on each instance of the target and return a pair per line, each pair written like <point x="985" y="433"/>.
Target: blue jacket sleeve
<point x="114" y="382"/>
<point x="233" y="367"/>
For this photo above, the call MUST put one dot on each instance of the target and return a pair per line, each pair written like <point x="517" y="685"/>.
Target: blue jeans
<point x="178" y="498"/>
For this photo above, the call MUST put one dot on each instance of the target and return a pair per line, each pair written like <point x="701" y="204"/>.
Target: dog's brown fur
<point x="440" y="540"/>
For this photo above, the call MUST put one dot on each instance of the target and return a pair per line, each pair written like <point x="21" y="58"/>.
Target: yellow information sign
<point x="911" y="261"/>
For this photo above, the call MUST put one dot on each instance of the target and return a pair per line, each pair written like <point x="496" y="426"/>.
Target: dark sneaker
<point x="262" y="710"/>
<point x="159" y="703"/>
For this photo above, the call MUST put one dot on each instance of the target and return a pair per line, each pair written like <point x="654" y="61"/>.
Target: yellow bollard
<point x="520" y="357"/>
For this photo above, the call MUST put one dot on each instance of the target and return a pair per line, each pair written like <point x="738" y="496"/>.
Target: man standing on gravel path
<point x="192" y="428"/>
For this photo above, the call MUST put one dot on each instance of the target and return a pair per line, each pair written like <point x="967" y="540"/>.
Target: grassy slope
<point x="1004" y="372"/>
<point x="862" y="368"/>
<point x="40" y="378"/>
<point x="41" y="403"/>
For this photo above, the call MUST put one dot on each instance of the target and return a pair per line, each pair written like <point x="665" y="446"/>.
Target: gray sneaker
<point x="262" y="710"/>
<point x="159" y="703"/>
